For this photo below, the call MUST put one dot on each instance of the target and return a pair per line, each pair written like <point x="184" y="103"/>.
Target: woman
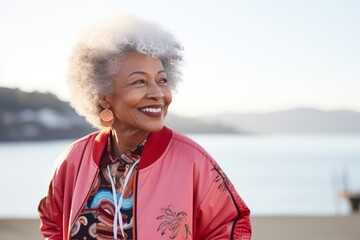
<point x="135" y="178"/>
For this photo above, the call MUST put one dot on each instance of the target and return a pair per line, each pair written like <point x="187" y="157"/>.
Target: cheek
<point x="123" y="106"/>
<point x="168" y="97"/>
<point x="128" y="100"/>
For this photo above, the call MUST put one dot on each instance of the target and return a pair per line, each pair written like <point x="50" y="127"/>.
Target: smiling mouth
<point x="152" y="111"/>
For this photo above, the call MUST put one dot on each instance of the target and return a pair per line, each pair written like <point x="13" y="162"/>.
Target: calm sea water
<point x="274" y="174"/>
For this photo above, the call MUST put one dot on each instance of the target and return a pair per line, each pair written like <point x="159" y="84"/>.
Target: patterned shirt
<point x="96" y="218"/>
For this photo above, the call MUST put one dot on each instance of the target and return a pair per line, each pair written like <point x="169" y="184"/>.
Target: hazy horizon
<point x="241" y="56"/>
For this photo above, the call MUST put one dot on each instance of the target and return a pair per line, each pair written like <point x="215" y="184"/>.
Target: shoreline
<point x="306" y="227"/>
<point x="264" y="228"/>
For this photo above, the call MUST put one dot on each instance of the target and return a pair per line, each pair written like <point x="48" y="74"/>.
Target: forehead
<point x="137" y="62"/>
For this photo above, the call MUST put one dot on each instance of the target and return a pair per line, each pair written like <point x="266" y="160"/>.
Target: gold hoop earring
<point x="106" y="117"/>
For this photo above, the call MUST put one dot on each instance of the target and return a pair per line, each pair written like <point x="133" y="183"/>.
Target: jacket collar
<point x="155" y="146"/>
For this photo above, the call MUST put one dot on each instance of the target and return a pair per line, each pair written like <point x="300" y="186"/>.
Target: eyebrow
<point x="144" y="73"/>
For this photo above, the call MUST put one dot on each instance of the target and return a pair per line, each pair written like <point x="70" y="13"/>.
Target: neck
<point x="126" y="140"/>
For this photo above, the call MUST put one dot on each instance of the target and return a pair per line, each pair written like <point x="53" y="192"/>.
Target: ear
<point x="104" y="103"/>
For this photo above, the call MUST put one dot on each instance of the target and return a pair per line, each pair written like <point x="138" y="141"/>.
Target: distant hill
<point x="42" y="116"/>
<point x="193" y="125"/>
<point x="293" y="121"/>
<point x="37" y="116"/>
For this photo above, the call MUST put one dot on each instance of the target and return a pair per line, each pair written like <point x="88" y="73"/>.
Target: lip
<point x="152" y="110"/>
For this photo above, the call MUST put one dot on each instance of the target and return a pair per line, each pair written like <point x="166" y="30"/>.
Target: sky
<point x="241" y="56"/>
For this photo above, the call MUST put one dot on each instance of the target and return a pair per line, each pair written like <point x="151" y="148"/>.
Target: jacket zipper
<point x="135" y="205"/>
<point x="83" y="204"/>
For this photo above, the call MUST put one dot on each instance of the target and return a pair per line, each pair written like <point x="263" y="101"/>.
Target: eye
<point x="163" y="80"/>
<point x="138" y="82"/>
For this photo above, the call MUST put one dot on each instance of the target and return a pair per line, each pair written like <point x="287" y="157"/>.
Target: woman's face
<point x="142" y="94"/>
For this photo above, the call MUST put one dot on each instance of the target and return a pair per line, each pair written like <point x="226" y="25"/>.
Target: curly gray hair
<point x="95" y="59"/>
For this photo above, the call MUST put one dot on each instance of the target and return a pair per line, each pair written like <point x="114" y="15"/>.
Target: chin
<point x="155" y="128"/>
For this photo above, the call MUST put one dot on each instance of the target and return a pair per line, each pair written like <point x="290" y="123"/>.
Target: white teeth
<point x="154" y="110"/>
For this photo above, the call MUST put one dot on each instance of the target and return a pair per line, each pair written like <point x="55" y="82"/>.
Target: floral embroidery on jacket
<point x="220" y="177"/>
<point x="174" y="223"/>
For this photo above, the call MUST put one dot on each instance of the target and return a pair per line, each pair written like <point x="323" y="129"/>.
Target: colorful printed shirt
<point x="97" y="217"/>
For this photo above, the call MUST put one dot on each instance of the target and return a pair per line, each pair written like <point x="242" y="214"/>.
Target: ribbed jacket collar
<point x="155" y="146"/>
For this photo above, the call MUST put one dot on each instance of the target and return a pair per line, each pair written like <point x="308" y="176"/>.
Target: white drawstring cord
<point x="117" y="205"/>
<point x="113" y="181"/>
<point x="127" y="178"/>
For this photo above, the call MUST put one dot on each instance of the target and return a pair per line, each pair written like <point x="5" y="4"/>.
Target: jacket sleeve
<point x="50" y="212"/>
<point x="222" y="213"/>
<point x="51" y="206"/>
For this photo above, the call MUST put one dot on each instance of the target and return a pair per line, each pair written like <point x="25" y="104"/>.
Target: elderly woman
<point x="135" y="178"/>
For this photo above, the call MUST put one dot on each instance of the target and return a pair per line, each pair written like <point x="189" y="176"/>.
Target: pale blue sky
<point x="241" y="56"/>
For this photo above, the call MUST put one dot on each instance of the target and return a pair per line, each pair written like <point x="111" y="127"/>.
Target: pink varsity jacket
<point x="180" y="191"/>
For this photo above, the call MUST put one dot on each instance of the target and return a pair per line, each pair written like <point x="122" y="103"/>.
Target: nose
<point x="155" y="92"/>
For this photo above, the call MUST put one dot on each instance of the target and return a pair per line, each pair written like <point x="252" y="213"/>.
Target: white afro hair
<point x="95" y="59"/>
